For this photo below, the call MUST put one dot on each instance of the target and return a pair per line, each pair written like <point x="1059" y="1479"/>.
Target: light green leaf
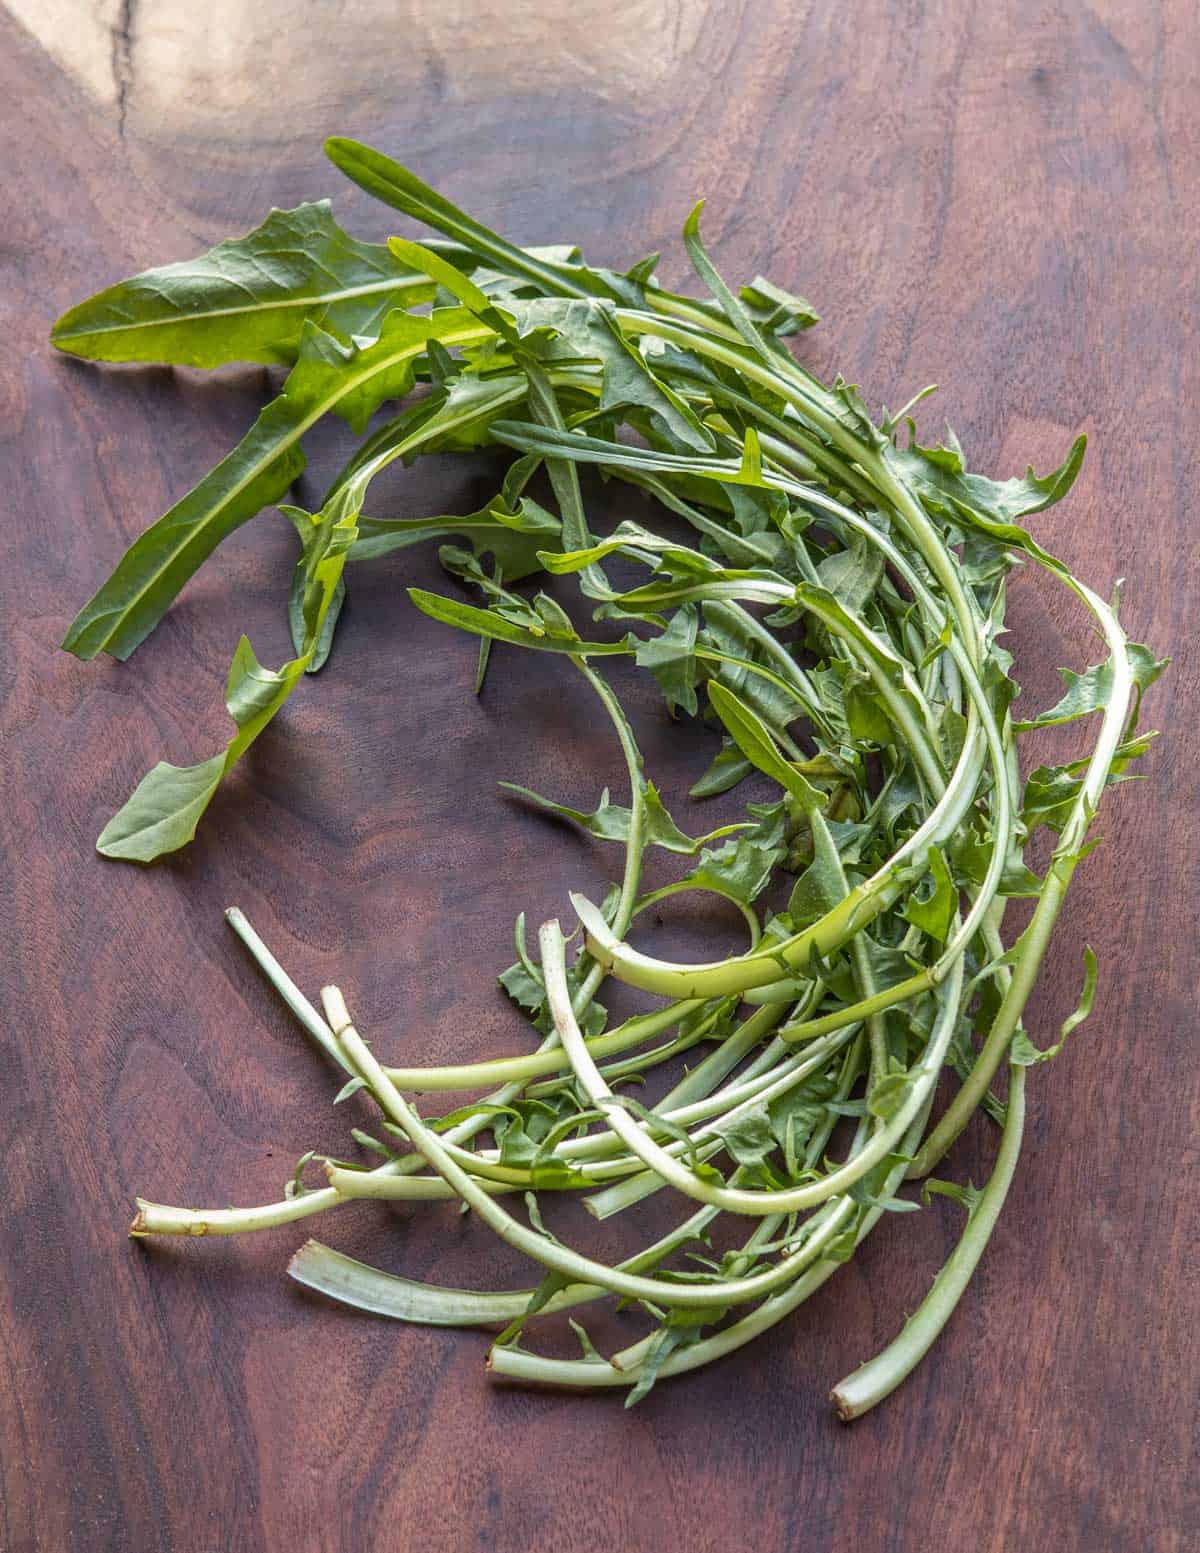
<point x="739" y="869"/>
<point x="734" y="310"/>
<point x="932" y="906"/>
<point x="1025" y="1054"/>
<point x="727" y="768"/>
<point x="629" y="537"/>
<point x="395" y="185"/>
<point x="852" y="575"/>
<point x="1051" y="791"/>
<point x="776" y="311"/>
<point x="993" y="506"/>
<point x="460" y="286"/>
<point x="822" y="885"/>
<point x="731" y="643"/>
<point x="246" y="299"/>
<point x="1092" y="690"/>
<point x="513" y="538"/>
<point x="620" y="455"/>
<point x="890" y="1092"/>
<point x="754" y="739"/>
<point x="965" y="1196"/>
<point x="590" y="1353"/>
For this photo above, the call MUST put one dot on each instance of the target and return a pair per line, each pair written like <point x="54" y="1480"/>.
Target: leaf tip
<point x="338" y="148"/>
<point x="406" y="251"/>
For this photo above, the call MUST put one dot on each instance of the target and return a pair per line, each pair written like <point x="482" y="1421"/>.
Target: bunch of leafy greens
<point x="837" y="618"/>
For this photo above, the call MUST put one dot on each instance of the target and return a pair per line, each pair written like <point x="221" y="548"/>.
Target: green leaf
<point x="848" y="405"/>
<point x="994" y="506"/>
<point x="295" y="1186"/>
<point x="798" y="1112"/>
<point x="749" y="1139"/>
<point x="1091" y="691"/>
<point x="164" y="809"/>
<point x="727" y="768"/>
<point x="671" y="659"/>
<point x="742" y="665"/>
<point x="664" y="1343"/>
<point x="932" y="906"/>
<point x="590" y="1352"/>
<point x="512" y="537"/>
<point x="965" y="1196"/>
<point x="246" y="299"/>
<point x="551" y="1284"/>
<point x="755" y="546"/>
<point x="869" y="1190"/>
<point x="395" y="185"/>
<point x="842" y="1247"/>
<point x="867" y="720"/>
<point x="1051" y="791"/>
<point x="634" y="540"/>
<point x="126" y="608"/>
<point x="754" y="739"/>
<point x="1025" y="1054"/>
<point x="890" y="1092"/>
<point x="583" y="449"/>
<point x="296" y="625"/>
<point x="776" y="311"/>
<point x="822" y="885"/>
<point x="852" y="575"/>
<point x="611" y="821"/>
<point x="739" y="869"/>
<point x="525" y="989"/>
<point x="734" y="310"/>
<point x="511" y="528"/>
<point x="1050" y="795"/>
<point x="460" y="286"/>
<point x="673" y="584"/>
<point x="534" y="633"/>
<point x="589" y="330"/>
<point x="948" y="458"/>
<point x="456" y="417"/>
<point x="327" y="377"/>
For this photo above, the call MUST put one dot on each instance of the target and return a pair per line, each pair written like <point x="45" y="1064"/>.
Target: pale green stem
<point x="552" y="1254"/>
<point x="880" y="1376"/>
<point x="734" y="1199"/>
<point x="624" y="1368"/>
<point x="1036" y="936"/>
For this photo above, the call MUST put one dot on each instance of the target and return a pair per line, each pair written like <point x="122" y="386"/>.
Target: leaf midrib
<point x="258" y="307"/>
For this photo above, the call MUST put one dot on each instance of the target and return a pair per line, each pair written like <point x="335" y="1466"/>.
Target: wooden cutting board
<point x="1002" y="199"/>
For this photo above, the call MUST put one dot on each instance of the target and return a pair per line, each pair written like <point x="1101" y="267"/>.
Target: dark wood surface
<point x="1003" y="199"/>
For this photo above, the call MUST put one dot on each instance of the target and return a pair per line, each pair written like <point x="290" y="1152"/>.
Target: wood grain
<point x="1003" y="199"/>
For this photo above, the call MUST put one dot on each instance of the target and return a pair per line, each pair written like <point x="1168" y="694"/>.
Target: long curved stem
<point x="873" y="1381"/>
<point x="735" y="1199"/>
<point x="552" y="1254"/>
<point x="1036" y="937"/>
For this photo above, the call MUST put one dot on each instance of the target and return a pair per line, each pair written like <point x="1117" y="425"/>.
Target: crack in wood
<point x="122" y="59"/>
